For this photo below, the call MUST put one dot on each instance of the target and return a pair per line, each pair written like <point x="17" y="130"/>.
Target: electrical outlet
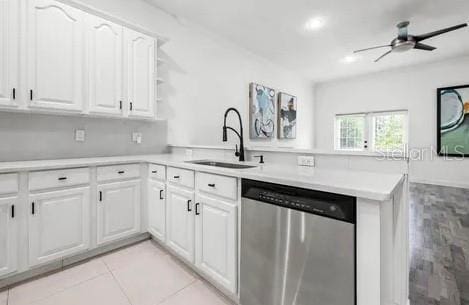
<point x="137" y="137"/>
<point x="306" y="161"/>
<point x="80" y="135"/>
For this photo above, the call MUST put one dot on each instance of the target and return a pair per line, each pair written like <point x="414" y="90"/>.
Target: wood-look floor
<point x="439" y="238"/>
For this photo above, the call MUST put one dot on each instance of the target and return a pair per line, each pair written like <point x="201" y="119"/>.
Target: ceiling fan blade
<point x="372" y="48"/>
<point x="439" y="32"/>
<point x="403" y="32"/>
<point x="425" y="47"/>
<point x="387" y="53"/>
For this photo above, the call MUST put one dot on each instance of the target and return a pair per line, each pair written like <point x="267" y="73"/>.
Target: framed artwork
<point x="261" y="112"/>
<point x="286" y="116"/>
<point x="453" y="124"/>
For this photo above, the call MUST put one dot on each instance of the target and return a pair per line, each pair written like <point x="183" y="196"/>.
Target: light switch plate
<point x="80" y="135"/>
<point x="306" y="161"/>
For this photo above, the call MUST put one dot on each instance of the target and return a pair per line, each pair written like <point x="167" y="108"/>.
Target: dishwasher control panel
<point x="335" y="206"/>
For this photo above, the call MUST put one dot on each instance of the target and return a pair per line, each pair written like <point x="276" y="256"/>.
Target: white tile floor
<point x="142" y="274"/>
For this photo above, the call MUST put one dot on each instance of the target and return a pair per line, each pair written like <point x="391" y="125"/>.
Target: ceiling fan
<point x="405" y="42"/>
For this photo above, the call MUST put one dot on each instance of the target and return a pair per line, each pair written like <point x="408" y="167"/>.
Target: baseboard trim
<point x="440" y="183"/>
<point x="56" y="266"/>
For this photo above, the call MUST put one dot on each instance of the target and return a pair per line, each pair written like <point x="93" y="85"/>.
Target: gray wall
<point x="34" y="137"/>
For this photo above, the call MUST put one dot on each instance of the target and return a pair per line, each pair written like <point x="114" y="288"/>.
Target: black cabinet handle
<point x="62" y="178"/>
<point x="131" y="106"/>
<point x="189" y="206"/>
<point x="211" y="184"/>
<point x="121" y="172"/>
<point x="120" y="105"/>
<point x="12" y="211"/>
<point x="154" y="172"/>
<point x="197" y="209"/>
<point x="100" y="196"/>
<point x="33" y="210"/>
<point x="31" y="94"/>
<point x="161" y="195"/>
<point x="177" y="177"/>
<point x="14" y="93"/>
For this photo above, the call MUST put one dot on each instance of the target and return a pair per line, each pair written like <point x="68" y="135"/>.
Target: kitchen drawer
<point x="8" y="183"/>
<point x="157" y="172"/>
<point x="181" y="177"/>
<point x="222" y="186"/>
<point x="58" y="178"/>
<point x="115" y="172"/>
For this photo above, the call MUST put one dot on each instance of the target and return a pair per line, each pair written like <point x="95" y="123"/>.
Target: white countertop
<point x="369" y="185"/>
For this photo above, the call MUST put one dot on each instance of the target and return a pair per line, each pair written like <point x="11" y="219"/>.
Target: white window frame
<point x="368" y="132"/>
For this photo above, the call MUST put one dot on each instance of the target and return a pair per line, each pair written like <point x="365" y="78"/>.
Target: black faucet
<point x="239" y="153"/>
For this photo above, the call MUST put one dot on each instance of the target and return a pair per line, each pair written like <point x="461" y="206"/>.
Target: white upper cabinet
<point x="55" y="61"/>
<point x="140" y="74"/>
<point x="59" y="224"/>
<point x="9" y="41"/>
<point x="105" y="66"/>
<point x="8" y="237"/>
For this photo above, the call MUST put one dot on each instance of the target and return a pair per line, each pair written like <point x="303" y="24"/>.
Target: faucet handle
<point x="237" y="151"/>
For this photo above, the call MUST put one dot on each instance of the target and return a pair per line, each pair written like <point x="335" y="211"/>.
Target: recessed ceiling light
<point x="314" y="24"/>
<point x="349" y="59"/>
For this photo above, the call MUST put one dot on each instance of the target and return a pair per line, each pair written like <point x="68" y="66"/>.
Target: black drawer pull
<point x="31" y="95"/>
<point x="177" y="177"/>
<point x="121" y="172"/>
<point x="33" y="210"/>
<point x="131" y="106"/>
<point x="211" y="184"/>
<point x="14" y="93"/>
<point x="154" y="172"/>
<point x="161" y="195"/>
<point x="120" y="105"/>
<point x="189" y="206"/>
<point x="13" y="211"/>
<point x="62" y="178"/>
<point x="100" y="196"/>
<point x="197" y="209"/>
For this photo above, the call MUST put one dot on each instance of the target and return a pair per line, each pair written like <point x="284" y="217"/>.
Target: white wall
<point x="206" y="74"/>
<point x="412" y="88"/>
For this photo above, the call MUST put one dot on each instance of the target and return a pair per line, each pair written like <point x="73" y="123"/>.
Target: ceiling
<point x="274" y="29"/>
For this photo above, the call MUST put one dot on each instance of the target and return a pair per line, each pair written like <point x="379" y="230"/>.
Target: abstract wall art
<point x="286" y="116"/>
<point x="453" y="123"/>
<point x="261" y="112"/>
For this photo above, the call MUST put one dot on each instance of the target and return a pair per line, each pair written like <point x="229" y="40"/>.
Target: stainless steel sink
<point x="221" y="164"/>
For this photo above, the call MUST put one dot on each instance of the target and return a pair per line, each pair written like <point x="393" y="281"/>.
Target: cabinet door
<point x="9" y="65"/>
<point x="55" y="55"/>
<point x="8" y="237"/>
<point x="59" y="224"/>
<point x="215" y="240"/>
<point x="118" y="210"/>
<point x="180" y="222"/>
<point x="156" y="209"/>
<point x="140" y="74"/>
<point x="105" y="66"/>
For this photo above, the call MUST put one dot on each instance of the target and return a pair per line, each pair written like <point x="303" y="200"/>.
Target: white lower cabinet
<point x="157" y="210"/>
<point x="215" y="240"/>
<point x="118" y="210"/>
<point x="59" y="224"/>
<point x="8" y="237"/>
<point x="180" y="222"/>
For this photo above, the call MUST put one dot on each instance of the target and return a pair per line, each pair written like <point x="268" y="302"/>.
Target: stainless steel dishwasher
<point x="297" y="246"/>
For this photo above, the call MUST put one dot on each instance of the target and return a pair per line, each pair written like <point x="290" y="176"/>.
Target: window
<point x="376" y="131"/>
<point x="350" y="130"/>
